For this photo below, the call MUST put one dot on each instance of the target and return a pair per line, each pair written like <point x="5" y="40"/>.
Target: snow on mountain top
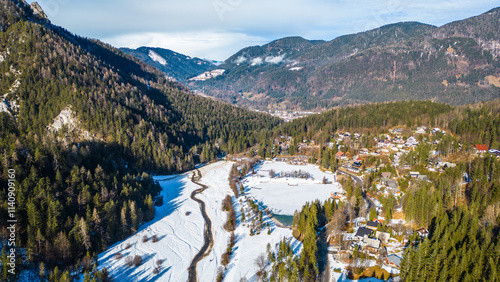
<point x="157" y="58"/>
<point x="208" y="75"/>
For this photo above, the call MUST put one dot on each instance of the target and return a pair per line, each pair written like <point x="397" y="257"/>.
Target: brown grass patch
<point x="399" y="215"/>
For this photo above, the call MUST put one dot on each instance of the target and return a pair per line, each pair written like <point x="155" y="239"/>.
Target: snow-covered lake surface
<point x="284" y="195"/>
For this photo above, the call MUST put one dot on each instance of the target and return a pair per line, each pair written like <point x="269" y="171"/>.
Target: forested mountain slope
<point x="173" y="64"/>
<point x="83" y="126"/>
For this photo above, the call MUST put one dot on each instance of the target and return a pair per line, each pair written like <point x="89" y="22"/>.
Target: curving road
<point x="360" y="182"/>
<point x="207" y="235"/>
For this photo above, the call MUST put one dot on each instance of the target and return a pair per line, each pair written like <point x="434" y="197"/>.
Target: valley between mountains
<point x="368" y="157"/>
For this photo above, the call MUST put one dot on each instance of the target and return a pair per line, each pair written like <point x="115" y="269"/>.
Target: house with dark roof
<point x="356" y="165"/>
<point x="494" y="152"/>
<point x="363" y="231"/>
<point x="373" y="225"/>
<point x="423" y="232"/>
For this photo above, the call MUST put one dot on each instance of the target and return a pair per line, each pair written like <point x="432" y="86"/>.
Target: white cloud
<point x="210" y="45"/>
<point x="256" y="61"/>
<point x="274" y="60"/>
<point x="240" y="60"/>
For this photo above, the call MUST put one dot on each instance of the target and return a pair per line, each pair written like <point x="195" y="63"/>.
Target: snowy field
<point x="180" y="233"/>
<point x="216" y="177"/>
<point x="180" y="237"/>
<point x="284" y="195"/>
<point x="179" y="227"/>
<point x="342" y="277"/>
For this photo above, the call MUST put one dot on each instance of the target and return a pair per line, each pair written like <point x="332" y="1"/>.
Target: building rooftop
<point x="363" y="231"/>
<point x="481" y="147"/>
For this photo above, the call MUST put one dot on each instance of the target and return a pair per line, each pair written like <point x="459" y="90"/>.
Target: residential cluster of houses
<point x="291" y="115"/>
<point x="373" y="242"/>
<point x="368" y="240"/>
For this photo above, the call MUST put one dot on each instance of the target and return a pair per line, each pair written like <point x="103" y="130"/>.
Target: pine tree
<point x="42" y="271"/>
<point x="133" y="216"/>
<point x="84" y="233"/>
<point x="373" y="213"/>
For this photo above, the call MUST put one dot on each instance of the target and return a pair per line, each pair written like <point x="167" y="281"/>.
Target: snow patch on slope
<point x="11" y="105"/>
<point x="4" y="108"/>
<point x="208" y="75"/>
<point x="157" y="58"/>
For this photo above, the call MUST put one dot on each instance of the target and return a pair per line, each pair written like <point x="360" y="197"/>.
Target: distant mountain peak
<point x="173" y="64"/>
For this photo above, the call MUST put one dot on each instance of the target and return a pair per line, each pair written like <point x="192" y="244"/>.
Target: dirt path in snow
<point x="207" y="235"/>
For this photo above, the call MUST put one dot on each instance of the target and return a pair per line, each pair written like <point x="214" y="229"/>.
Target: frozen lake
<point x="286" y="192"/>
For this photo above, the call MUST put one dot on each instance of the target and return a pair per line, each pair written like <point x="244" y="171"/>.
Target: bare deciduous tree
<point x="261" y="263"/>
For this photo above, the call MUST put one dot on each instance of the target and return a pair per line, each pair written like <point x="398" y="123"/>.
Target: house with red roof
<point x="481" y="148"/>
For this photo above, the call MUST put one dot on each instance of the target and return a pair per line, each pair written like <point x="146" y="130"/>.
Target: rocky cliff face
<point x="38" y="11"/>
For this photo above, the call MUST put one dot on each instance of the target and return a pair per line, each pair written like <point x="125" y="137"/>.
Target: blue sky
<point x="216" y="29"/>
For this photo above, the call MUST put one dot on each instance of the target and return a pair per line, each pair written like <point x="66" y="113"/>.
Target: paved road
<point x="323" y="263"/>
<point x="208" y="237"/>
<point x="360" y="182"/>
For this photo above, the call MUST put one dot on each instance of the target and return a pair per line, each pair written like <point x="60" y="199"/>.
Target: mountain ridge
<point x="173" y="64"/>
<point x="408" y="60"/>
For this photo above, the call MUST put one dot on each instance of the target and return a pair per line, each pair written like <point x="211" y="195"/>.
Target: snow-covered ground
<point x="179" y="227"/>
<point x="216" y="177"/>
<point x="248" y="248"/>
<point x="208" y="75"/>
<point x="180" y="237"/>
<point x="342" y="276"/>
<point x="285" y="195"/>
